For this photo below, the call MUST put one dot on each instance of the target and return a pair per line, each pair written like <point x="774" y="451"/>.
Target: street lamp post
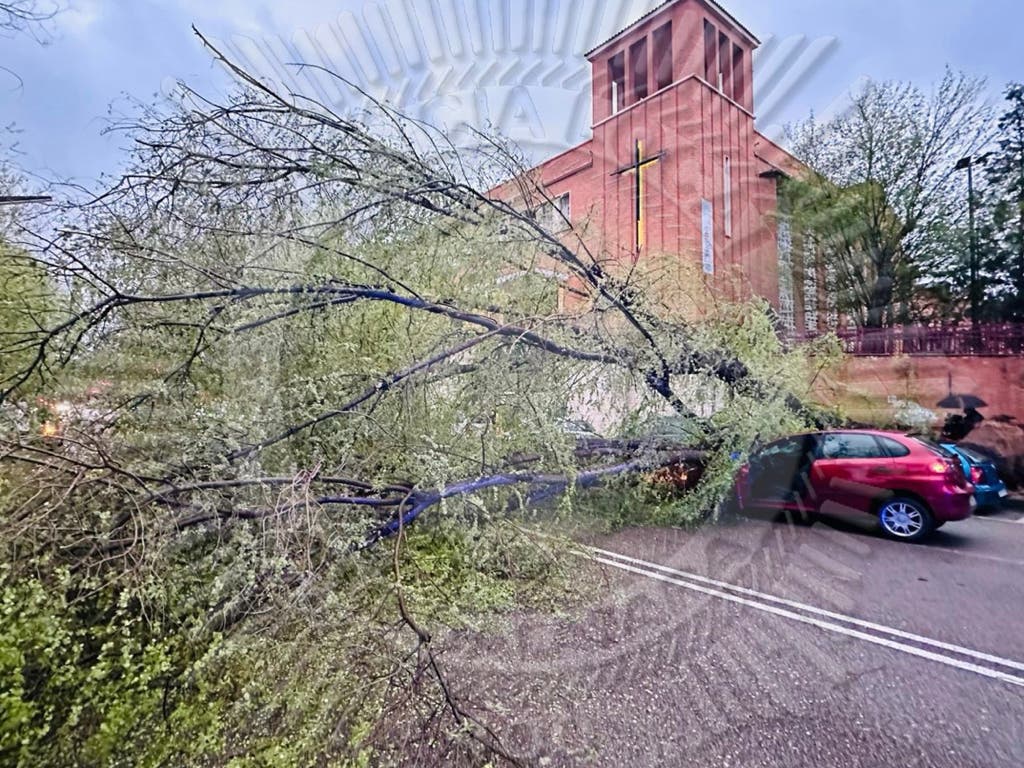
<point x="973" y="289"/>
<point x="24" y="199"/>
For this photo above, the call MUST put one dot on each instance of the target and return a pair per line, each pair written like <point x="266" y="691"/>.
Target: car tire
<point x="905" y="519"/>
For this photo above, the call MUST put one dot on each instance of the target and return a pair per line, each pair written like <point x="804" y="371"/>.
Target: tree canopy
<point x="884" y="188"/>
<point x="1003" y="210"/>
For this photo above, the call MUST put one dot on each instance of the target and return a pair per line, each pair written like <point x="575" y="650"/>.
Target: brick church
<point x="676" y="166"/>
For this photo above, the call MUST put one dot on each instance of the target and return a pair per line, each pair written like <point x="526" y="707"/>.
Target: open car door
<point x="780" y="474"/>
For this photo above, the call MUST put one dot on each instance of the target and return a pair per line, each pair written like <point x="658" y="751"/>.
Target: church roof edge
<point x="657" y="9"/>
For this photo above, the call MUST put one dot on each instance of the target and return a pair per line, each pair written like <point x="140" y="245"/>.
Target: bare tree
<point x="25" y="17"/>
<point x="21" y="15"/>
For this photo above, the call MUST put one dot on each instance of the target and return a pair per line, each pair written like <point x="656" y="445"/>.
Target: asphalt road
<point x="754" y="643"/>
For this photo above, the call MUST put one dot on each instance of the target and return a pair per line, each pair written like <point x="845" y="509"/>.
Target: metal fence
<point x="987" y="340"/>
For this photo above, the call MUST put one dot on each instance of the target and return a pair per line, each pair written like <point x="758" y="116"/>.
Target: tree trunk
<point x="880" y="300"/>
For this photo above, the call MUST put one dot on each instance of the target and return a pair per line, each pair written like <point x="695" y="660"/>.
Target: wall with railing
<point x="986" y="340"/>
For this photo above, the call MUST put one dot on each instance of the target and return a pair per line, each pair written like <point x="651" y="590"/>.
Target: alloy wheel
<point x="903" y="519"/>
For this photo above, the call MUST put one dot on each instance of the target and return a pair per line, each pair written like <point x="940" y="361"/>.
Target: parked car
<point x="989" y="489"/>
<point x="911" y="486"/>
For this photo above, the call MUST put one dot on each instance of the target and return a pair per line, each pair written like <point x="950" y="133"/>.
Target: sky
<point x="516" y="65"/>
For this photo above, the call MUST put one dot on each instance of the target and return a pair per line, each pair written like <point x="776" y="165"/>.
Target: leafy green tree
<point x="27" y="297"/>
<point x="27" y="303"/>
<point x="882" y="189"/>
<point x="1004" y="228"/>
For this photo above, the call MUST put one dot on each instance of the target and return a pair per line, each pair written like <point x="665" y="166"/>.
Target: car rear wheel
<point x="905" y="519"/>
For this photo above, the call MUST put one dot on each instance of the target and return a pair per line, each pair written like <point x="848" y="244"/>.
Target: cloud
<point x="78" y="17"/>
<point x="448" y="62"/>
<point x="250" y="17"/>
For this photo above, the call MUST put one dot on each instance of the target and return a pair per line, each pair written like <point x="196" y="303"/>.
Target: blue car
<point x="989" y="490"/>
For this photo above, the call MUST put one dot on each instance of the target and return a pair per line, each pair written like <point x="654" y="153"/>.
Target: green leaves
<point x="882" y="188"/>
<point x="28" y="303"/>
<point x="284" y="330"/>
<point x="84" y="683"/>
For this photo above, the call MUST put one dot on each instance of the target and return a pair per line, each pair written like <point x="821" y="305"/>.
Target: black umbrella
<point x="961" y="402"/>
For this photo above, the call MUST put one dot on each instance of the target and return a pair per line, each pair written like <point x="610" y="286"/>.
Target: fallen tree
<point x="285" y="336"/>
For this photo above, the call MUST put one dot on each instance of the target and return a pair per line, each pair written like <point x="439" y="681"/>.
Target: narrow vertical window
<point x="739" y="80"/>
<point x="639" y="70"/>
<point x="810" y="283"/>
<point x="617" y="76"/>
<point x="724" y="81"/>
<point x="564" y="208"/>
<point x="707" y="236"/>
<point x="727" y="195"/>
<point x="556" y="214"/>
<point x="787" y="309"/>
<point x="710" y="53"/>
<point x="663" y="74"/>
<point x="831" y="297"/>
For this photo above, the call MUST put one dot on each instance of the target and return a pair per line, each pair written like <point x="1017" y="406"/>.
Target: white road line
<point x="891" y="631"/>
<point x="978" y="555"/>
<point x="1002" y="520"/>
<point x="825" y="625"/>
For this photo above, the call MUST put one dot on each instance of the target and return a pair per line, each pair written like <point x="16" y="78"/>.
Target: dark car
<point x="910" y="485"/>
<point x="989" y="489"/>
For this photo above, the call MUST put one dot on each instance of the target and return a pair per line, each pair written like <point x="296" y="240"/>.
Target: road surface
<point x="754" y="643"/>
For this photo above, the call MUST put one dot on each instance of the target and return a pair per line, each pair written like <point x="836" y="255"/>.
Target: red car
<point x="910" y="485"/>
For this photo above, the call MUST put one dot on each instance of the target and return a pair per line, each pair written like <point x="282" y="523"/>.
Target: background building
<point x="676" y="166"/>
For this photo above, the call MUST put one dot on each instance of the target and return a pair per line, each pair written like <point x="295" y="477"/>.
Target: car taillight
<point x="976" y="475"/>
<point x="953" y="471"/>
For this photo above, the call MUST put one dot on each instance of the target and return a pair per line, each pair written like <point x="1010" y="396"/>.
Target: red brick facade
<point x="680" y="82"/>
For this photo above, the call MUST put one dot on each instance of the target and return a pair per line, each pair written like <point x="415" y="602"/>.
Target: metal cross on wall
<point x="639" y="164"/>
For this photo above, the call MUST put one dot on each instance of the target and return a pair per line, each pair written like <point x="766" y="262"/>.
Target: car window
<point x="785" y="447"/>
<point x="977" y="458"/>
<point x="937" y="449"/>
<point x="893" y="448"/>
<point x="850" y="445"/>
<point x="788" y="449"/>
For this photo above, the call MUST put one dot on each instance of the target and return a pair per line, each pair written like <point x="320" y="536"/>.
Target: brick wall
<point x="864" y="385"/>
